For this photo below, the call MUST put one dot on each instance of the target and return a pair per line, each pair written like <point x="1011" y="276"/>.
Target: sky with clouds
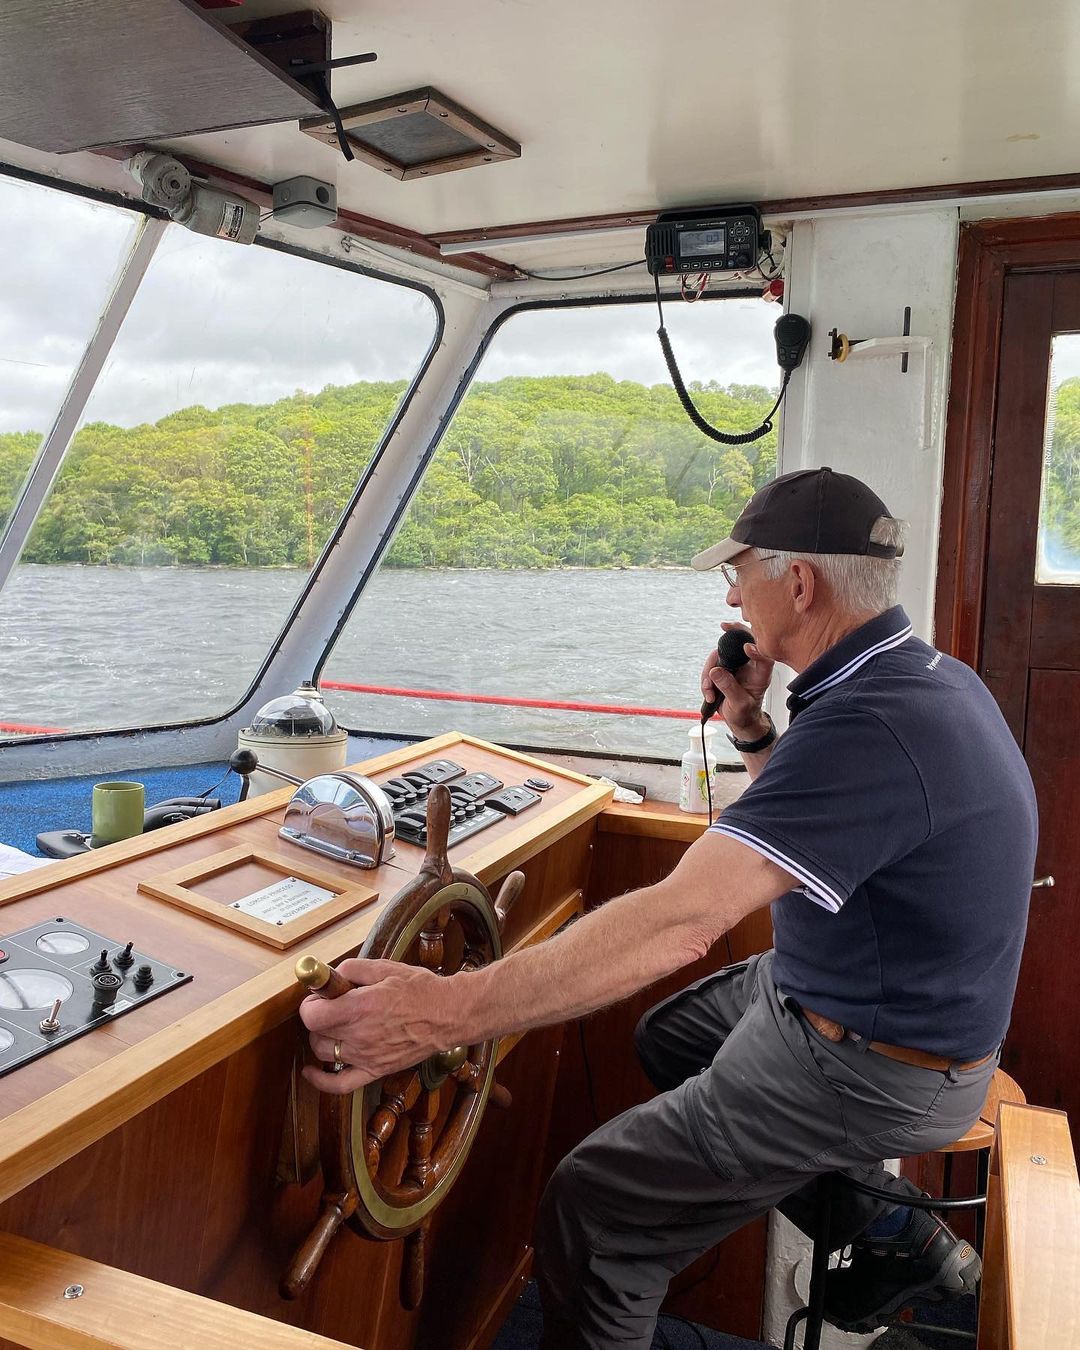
<point x="215" y="323"/>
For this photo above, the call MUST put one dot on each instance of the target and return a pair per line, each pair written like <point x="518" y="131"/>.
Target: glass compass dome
<point x="298" y="715"/>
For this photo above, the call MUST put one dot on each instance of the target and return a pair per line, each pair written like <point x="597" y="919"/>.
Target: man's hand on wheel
<point x="392" y="1020"/>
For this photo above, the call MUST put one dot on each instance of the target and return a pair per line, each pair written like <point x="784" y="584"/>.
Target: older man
<point x="892" y="828"/>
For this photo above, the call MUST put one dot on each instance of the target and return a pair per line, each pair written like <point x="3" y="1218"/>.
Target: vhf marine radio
<point x="724" y="239"/>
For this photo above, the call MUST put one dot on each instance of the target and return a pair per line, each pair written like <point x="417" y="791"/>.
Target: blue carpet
<point x="28" y="809"/>
<point x="522" y="1328"/>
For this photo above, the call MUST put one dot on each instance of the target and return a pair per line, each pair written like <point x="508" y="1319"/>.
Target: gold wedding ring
<point x="339" y="1063"/>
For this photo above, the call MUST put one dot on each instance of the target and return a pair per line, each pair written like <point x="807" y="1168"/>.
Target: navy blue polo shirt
<point x="900" y="800"/>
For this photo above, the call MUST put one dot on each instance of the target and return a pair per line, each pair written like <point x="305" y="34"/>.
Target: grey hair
<point x="860" y="584"/>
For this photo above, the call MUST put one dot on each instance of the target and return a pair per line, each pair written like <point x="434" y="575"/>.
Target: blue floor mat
<point x="27" y="809"/>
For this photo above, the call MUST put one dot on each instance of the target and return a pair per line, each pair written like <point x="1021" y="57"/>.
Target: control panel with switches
<point x="477" y="800"/>
<point x="59" y="980"/>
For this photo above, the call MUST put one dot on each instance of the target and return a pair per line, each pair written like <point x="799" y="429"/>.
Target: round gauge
<point x="23" y="990"/>
<point x="6" y="1040"/>
<point x="62" y="942"/>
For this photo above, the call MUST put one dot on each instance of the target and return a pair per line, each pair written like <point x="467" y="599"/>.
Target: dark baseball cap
<point x="808" y="511"/>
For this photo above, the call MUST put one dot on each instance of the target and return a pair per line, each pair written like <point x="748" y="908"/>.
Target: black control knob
<point x="144" y="978"/>
<point x="107" y="985"/>
<point x="102" y="963"/>
<point x="124" y="959"/>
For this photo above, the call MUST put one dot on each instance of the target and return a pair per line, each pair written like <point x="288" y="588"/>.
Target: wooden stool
<point x="980" y="1137"/>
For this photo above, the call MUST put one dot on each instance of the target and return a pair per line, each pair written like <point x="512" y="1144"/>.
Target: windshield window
<point x="545" y="557"/>
<point x="247" y="390"/>
<point x="62" y="254"/>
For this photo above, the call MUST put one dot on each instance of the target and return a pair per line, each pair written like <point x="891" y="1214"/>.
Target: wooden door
<point x="1030" y="651"/>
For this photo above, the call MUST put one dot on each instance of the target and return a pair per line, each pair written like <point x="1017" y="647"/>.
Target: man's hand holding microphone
<point x="737" y="675"/>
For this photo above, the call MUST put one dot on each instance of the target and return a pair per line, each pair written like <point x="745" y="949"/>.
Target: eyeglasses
<point x="731" y="573"/>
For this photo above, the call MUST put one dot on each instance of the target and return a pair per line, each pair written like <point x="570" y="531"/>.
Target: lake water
<point x="90" y="647"/>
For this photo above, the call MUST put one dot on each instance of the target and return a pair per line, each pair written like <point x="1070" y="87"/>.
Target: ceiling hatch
<point x="416" y="134"/>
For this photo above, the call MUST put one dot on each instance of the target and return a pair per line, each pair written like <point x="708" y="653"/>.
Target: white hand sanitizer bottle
<point x="693" y="786"/>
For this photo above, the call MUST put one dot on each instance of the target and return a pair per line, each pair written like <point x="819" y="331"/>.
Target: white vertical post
<point x="42" y="475"/>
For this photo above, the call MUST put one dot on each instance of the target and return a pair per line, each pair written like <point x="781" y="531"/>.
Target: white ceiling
<point x="623" y="104"/>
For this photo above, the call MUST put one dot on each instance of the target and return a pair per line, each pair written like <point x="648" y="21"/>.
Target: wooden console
<point x="171" y="1149"/>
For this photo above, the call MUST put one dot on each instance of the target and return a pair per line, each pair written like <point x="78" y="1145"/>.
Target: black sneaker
<point x="926" y="1262"/>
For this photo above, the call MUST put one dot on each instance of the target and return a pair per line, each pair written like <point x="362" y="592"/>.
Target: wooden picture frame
<point x="176" y="887"/>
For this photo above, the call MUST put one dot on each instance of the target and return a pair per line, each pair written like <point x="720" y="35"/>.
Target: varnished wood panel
<point x="1055" y="632"/>
<point x="989" y="251"/>
<point x="172" y="1172"/>
<point x="492" y="1205"/>
<point x="1040" y="1049"/>
<point x="240" y="987"/>
<point x="119" y="1310"/>
<point x="1031" y="1277"/>
<point x="81" y="73"/>
<point x="1014" y="498"/>
<point x="600" y="1077"/>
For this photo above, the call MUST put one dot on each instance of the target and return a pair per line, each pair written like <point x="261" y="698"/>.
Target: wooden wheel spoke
<point x="470" y="1076"/>
<point x="399" y="1094"/>
<point x="433" y="940"/>
<point x="421" y="1140"/>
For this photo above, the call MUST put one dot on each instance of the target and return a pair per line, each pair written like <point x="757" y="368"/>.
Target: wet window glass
<point x="62" y="254"/>
<point x="1058" y="556"/>
<point x="245" y="394"/>
<point x="544" y="561"/>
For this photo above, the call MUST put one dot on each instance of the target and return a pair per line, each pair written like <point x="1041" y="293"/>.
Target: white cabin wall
<point x="856" y="274"/>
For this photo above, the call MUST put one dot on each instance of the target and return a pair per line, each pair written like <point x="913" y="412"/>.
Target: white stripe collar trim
<point x="839" y="676"/>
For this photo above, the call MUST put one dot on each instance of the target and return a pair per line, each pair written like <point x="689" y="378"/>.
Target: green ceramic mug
<point x="116" y="812"/>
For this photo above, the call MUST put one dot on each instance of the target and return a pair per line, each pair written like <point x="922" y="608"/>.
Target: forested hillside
<point x="534" y="472"/>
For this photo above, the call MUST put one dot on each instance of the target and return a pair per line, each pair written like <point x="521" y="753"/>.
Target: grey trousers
<point x="754" y="1105"/>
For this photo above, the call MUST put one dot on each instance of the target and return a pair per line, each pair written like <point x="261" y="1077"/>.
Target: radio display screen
<point x="703" y="243"/>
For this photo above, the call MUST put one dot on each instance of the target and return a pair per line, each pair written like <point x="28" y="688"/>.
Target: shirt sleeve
<point x="839" y="800"/>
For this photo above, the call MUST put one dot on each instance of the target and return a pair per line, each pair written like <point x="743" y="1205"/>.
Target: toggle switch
<point x="51" y="1024"/>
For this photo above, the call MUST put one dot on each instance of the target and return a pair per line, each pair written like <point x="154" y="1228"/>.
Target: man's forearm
<point x="604" y="957"/>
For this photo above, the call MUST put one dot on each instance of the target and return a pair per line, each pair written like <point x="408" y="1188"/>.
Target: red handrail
<point x="448" y="696"/>
<point x="453" y="697"/>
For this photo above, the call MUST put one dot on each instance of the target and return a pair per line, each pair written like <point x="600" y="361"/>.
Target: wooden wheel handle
<point x="318" y="978"/>
<point x="306" y="1261"/>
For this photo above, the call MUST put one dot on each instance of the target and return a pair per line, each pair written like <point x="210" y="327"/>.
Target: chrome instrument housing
<point x="344" y="816"/>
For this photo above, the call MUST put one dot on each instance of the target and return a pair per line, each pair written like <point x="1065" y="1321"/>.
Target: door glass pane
<point x="245" y="394"/>
<point x="61" y="257"/>
<point x="1058" y="556"/>
<point x="545" y="557"/>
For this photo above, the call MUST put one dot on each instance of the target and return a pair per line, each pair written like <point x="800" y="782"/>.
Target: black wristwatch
<point x="762" y="742"/>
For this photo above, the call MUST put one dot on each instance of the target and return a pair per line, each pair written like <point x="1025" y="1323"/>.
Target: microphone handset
<point x="731" y="654"/>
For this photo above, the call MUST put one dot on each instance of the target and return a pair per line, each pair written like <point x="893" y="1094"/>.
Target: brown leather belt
<point x="833" y="1031"/>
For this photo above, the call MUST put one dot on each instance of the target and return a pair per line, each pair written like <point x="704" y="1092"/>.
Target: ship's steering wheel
<point x="391" y="1150"/>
